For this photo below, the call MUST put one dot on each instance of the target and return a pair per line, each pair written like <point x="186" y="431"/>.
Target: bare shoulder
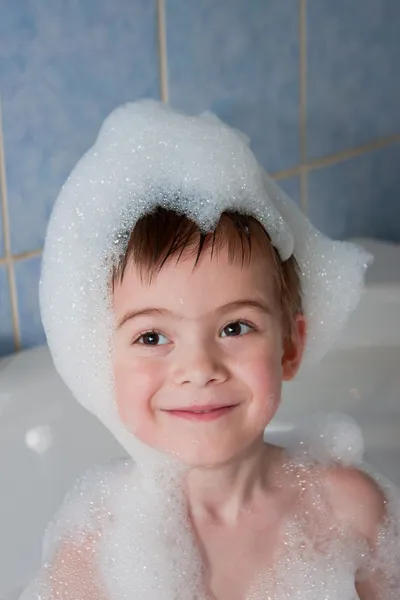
<point x="87" y="498"/>
<point x="355" y="498"/>
<point x="70" y="546"/>
<point x="73" y="572"/>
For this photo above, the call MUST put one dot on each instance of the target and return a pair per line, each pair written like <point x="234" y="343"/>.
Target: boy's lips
<point x="206" y="412"/>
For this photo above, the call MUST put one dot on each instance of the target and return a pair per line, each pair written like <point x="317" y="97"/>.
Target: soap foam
<point x="330" y="437"/>
<point x="148" y="155"/>
<point x="145" y="549"/>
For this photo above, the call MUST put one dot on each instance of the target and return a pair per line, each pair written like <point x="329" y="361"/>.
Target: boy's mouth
<point x="202" y="413"/>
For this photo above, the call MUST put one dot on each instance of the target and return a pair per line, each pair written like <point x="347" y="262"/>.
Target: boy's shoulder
<point x="86" y="504"/>
<point x="355" y="498"/>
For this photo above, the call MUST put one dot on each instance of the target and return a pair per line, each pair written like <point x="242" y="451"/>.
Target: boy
<point x="186" y="329"/>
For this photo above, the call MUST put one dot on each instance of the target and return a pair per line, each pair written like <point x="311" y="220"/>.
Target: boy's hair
<point x="163" y="234"/>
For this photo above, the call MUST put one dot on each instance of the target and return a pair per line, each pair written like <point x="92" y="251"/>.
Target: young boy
<point x="204" y="324"/>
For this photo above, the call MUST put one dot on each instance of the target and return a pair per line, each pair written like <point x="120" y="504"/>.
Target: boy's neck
<point x="225" y="493"/>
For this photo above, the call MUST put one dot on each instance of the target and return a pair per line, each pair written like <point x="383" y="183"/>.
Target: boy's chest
<point x="270" y="556"/>
<point x="236" y="559"/>
<point x="273" y="560"/>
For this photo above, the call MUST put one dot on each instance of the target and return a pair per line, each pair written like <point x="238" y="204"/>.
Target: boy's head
<point x="207" y="327"/>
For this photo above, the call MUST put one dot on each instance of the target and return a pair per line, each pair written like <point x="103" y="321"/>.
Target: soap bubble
<point x="332" y="436"/>
<point x="39" y="439"/>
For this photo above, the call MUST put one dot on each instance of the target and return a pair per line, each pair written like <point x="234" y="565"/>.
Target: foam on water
<point x="133" y="533"/>
<point x="146" y="155"/>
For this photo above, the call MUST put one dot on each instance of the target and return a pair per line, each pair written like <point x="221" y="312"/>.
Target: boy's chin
<point x="206" y="457"/>
<point x="206" y="453"/>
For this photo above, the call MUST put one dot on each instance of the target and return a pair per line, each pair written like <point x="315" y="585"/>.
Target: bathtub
<point x="47" y="440"/>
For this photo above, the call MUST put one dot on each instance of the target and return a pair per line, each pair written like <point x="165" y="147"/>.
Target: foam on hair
<point x="162" y="235"/>
<point x="149" y="155"/>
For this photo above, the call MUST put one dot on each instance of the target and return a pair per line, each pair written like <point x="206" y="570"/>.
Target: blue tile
<point x="27" y="275"/>
<point x="353" y="89"/>
<point x="292" y="188"/>
<point x="358" y="197"/>
<point x="63" y="67"/>
<point x="6" y="329"/>
<point x="240" y="60"/>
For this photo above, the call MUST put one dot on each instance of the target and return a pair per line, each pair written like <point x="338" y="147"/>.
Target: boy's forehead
<point x="215" y="279"/>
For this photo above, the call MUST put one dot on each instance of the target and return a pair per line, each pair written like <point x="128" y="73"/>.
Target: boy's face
<point x="199" y="356"/>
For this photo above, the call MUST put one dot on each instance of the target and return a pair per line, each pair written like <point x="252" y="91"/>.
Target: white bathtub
<point x="47" y="440"/>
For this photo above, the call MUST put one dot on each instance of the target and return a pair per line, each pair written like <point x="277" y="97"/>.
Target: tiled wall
<point x="314" y="83"/>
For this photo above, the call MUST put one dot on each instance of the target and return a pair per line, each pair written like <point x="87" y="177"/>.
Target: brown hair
<point x="163" y="234"/>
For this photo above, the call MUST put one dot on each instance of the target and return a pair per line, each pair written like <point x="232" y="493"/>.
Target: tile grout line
<point x="327" y="161"/>
<point x="286" y="173"/>
<point x="7" y="242"/>
<point x="162" y="50"/>
<point x="377" y="144"/>
<point x="27" y="255"/>
<point x="22" y="256"/>
<point x="303" y="103"/>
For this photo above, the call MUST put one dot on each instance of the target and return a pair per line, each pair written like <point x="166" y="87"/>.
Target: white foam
<point x="331" y="437"/>
<point x="145" y="550"/>
<point x="146" y="155"/>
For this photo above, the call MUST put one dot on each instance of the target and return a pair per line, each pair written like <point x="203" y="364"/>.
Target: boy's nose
<point x="199" y="367"/>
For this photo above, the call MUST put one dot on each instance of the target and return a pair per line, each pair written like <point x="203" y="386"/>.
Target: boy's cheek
<point x="135" y="376"/>
<point x="134" y="408"/>
<point x="135" y="388"/>
<point x="136" y="420"/>
<point x="261" y="368"/>
<point x="264" y="379"/>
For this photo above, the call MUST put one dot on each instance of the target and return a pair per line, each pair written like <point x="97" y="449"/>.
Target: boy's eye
<point x="235" y="329"/>
<point x="152" y="338"/>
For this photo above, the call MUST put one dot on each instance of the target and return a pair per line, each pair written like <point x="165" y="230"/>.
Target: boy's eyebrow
<point x="246" y="303"/>
<point x="144" y="312"/>
<point x="236" y="304"/>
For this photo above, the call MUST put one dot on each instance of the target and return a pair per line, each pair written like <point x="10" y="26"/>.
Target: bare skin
<point x="238" y="520"/>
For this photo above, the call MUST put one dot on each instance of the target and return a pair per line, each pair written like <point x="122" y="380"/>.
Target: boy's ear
<point x="293" y="348"/>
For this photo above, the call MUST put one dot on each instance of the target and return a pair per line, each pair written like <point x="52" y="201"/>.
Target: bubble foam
<point x="146" y="155"/>
<point x="125" y="534"/>
<point x="330" y="437"/>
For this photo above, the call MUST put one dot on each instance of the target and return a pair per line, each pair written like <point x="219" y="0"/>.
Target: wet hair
<point x="163" y="234"/>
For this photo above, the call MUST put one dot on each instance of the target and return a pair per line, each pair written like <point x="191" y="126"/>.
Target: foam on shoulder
<point x="134" y="528"/>
<point x="86" y="507"/>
